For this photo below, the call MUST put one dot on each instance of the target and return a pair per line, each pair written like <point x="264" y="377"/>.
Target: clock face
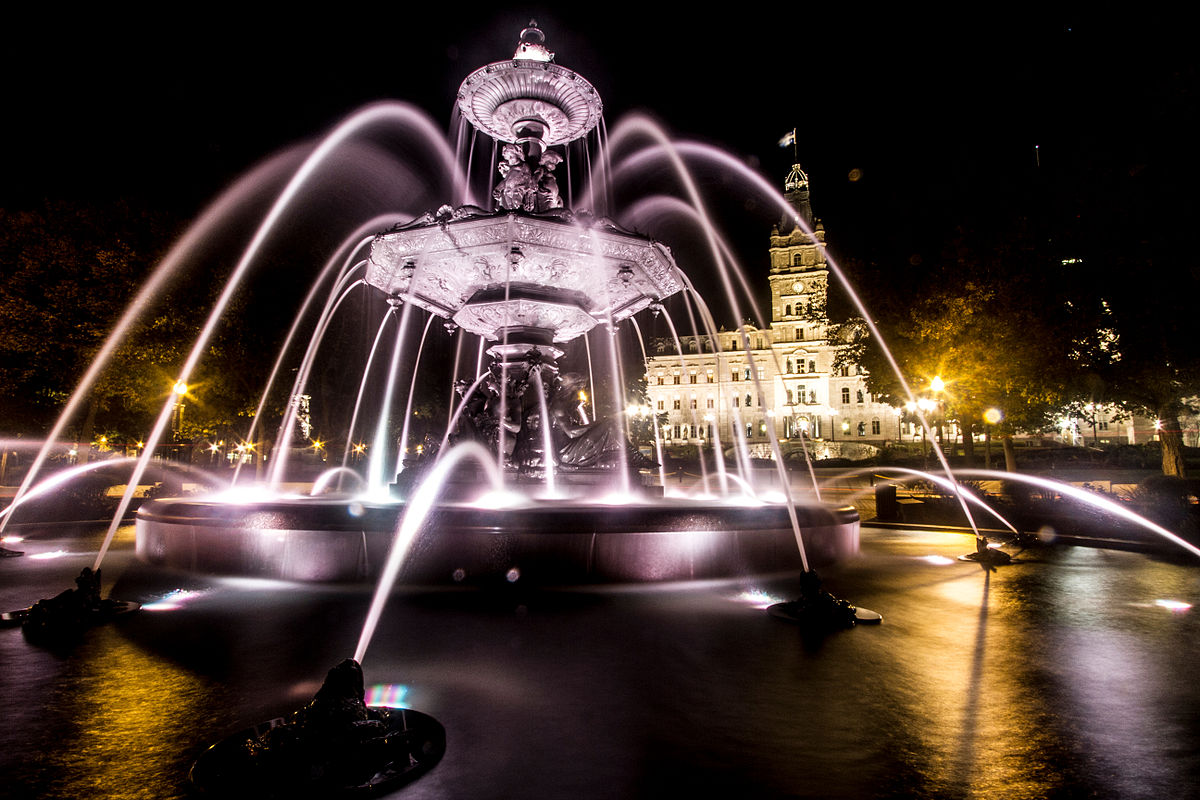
<point x="798" y="287"/>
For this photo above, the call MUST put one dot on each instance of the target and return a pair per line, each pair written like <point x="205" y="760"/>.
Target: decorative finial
<point x="532" y="46"/>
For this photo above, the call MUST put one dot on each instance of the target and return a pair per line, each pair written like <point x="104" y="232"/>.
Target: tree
<point x="989" y="319"/>
<point x="70" y="269"/>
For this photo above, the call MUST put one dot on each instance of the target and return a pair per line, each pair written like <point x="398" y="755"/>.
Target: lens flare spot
<point x="757" y="598"/>
<point x="1178" y="606"/>
<point x="513" y="575"/>
<point x="387" y="695"/>
<point x="49" y="555"/>
<point x="172" y="600"/>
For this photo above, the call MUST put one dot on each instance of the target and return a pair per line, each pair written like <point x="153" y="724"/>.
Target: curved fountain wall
<point x="563" y="542"/>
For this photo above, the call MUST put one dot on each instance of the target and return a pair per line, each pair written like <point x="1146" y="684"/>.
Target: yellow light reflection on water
<point x="135" y="719"/>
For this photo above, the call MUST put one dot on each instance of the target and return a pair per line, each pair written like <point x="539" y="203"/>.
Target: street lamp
<point x="937" y="386"/>
<point x="990" y="417"/>
<point x="925" y="405"/>
<point x="180" y="389"/>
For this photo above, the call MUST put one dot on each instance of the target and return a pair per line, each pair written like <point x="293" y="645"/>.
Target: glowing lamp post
<point x="180" y="389"/>
<point x="938" y="386"/>
<point x="990" y="417"/>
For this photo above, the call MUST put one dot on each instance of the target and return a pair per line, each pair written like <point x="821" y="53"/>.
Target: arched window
<point x="787" y="310"/>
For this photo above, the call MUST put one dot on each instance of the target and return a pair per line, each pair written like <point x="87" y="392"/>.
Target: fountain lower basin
<point x="542" y="543"/>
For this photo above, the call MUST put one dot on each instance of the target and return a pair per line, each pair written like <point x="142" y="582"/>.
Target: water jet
<point x="528" y="276"/>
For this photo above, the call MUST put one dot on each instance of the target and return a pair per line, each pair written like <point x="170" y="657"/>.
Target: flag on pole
<point x="788" y="138"/>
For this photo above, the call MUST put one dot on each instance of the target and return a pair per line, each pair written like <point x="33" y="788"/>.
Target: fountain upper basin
<point x="559" y="542"/>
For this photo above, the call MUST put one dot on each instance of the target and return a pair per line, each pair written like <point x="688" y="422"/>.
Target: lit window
<point x="712" y="378"/>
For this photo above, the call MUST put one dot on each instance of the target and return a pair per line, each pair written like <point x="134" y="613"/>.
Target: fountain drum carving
<point x="528" y="277"/>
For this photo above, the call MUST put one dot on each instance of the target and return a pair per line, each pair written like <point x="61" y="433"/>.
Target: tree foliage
<point x="70" y="270"/>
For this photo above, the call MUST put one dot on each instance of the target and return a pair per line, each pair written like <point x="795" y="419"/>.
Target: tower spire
<point x="795" y="190"/>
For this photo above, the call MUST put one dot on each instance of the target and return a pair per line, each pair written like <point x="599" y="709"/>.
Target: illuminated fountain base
<point x="543" y="543"/>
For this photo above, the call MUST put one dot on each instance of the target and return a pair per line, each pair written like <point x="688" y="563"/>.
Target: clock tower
<point x="799" y="277"/>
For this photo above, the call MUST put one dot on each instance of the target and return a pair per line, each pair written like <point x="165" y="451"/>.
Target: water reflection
<point x="1059" y="676"/>
<point x="124" y="719"/>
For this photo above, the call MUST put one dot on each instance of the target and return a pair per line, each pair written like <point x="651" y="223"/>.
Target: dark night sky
<point x="941" y="114"/>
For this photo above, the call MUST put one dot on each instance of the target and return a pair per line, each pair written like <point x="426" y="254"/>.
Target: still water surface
<point x="1067" y="675"/>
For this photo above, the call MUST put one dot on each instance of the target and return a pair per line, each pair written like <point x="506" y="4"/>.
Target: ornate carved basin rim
<point x="571" y="271"/>
<point x="498" y="97"/>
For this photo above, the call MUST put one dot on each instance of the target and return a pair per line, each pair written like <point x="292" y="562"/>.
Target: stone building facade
<point x="731" y="385"/>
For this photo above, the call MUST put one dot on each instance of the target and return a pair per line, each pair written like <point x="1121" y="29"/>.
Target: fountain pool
<point x="526" y="276"/>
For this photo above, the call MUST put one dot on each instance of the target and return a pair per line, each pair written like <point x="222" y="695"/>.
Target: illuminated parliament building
<point x="709" y="391"/>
